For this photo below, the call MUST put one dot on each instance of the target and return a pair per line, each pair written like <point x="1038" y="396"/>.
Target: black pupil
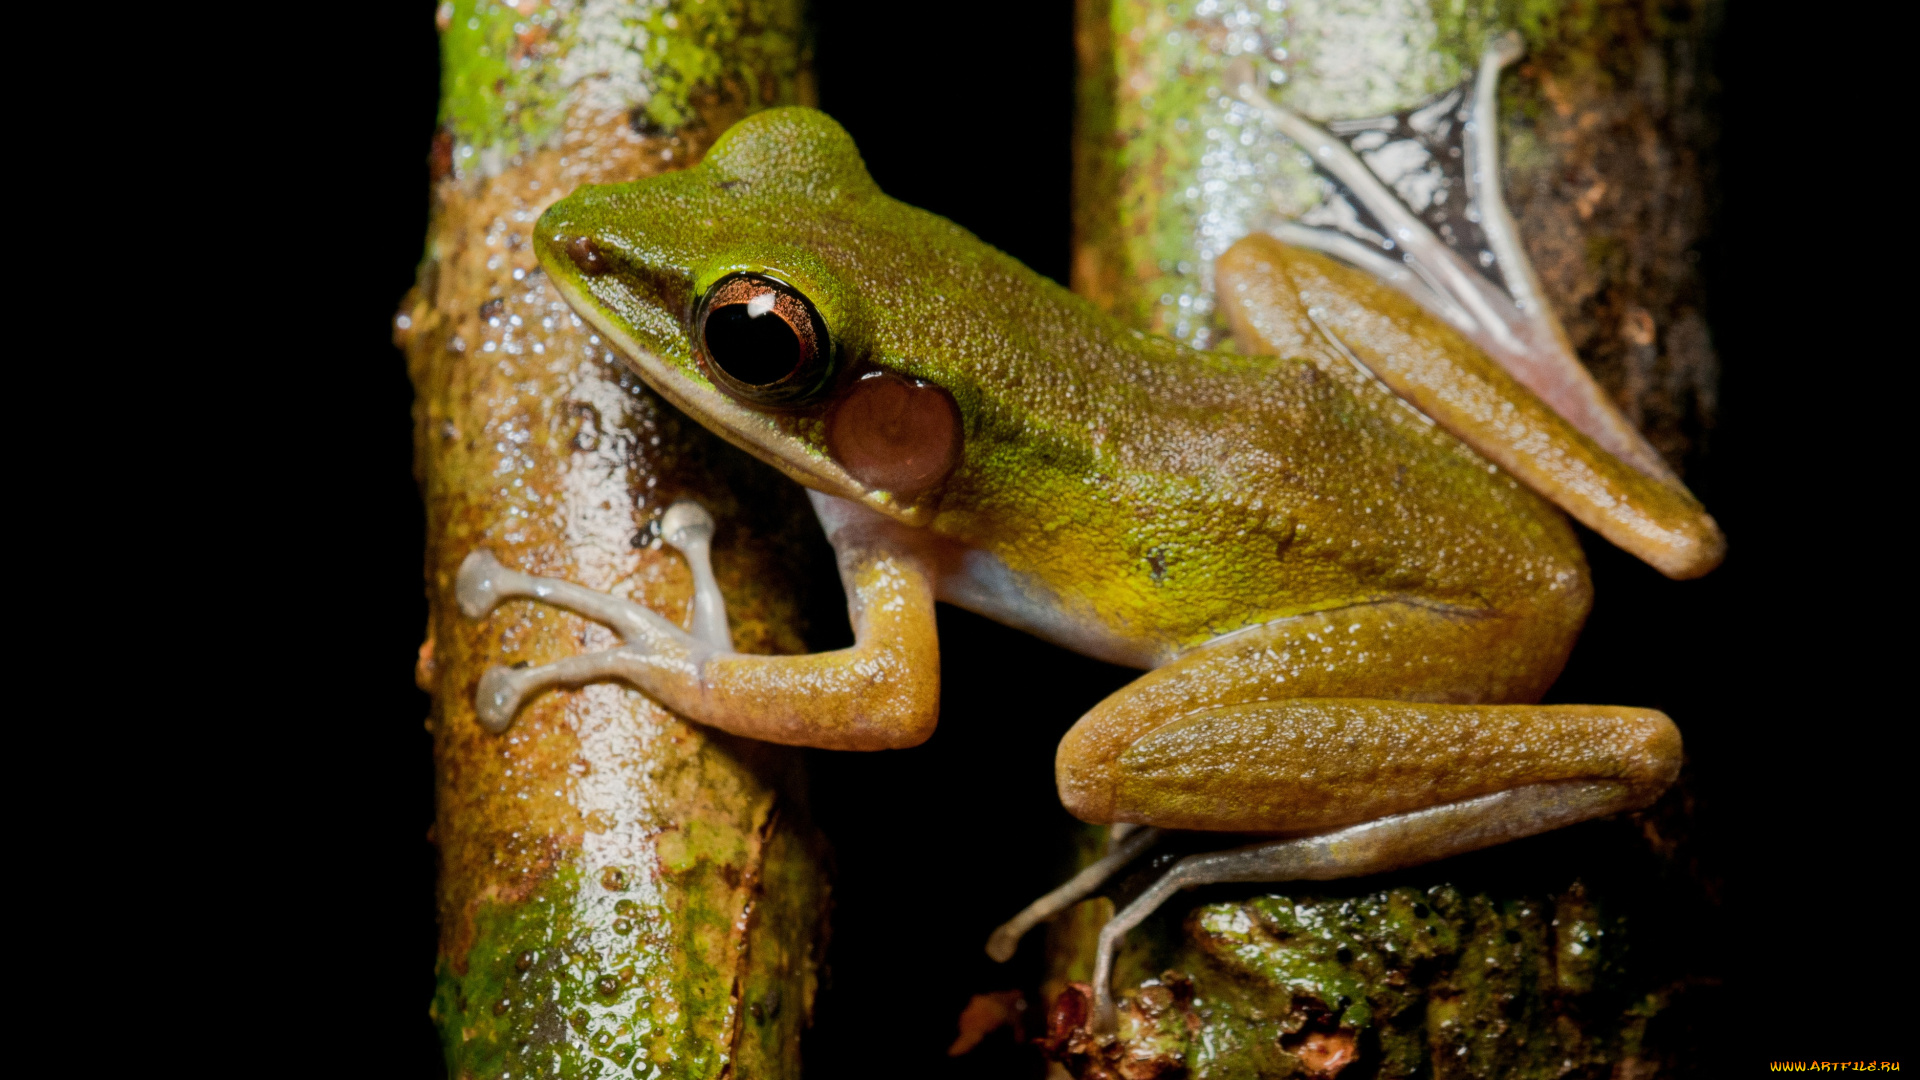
<point x="754" y="349"/>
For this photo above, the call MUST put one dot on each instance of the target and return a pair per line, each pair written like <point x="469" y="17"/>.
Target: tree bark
<point x="1568" y="954"/>
<point x="621" y="891"/>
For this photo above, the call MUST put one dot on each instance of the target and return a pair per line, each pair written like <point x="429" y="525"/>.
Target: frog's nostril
<point x="586" y="255"/>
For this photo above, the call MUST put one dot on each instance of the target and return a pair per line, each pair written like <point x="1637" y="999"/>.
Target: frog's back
<point x="1183" y="495"/>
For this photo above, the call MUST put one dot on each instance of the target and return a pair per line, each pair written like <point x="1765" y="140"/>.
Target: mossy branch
<point x="620" y="890"/>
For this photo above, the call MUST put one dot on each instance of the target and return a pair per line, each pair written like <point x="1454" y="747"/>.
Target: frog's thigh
<point x="1316" y="763"/>
<point x="1288" y="302"/>
<point x="1290" y="727"/>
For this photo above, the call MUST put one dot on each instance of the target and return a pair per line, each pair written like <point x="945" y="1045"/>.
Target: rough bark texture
<point x="1609" y="140"/>
<point x="1564" y="955"/>
<point x="621" y="891"/>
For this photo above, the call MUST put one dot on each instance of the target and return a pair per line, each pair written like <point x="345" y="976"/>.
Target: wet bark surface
<point x="1611" y="138"/>
<point x="620" y="889"/>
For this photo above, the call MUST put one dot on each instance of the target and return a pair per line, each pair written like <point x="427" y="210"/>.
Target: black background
<point x="1777" y="666"/>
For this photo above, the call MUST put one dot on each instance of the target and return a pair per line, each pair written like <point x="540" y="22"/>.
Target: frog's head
<point x="774" y="294"/>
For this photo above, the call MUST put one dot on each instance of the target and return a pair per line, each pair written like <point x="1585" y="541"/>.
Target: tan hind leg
<point x="1287" y="301"/>
<point x="1516" y="327"/>
<point x="1493" y="368"/>
<point x="1366" y="729"/>
<point x="1307" y="724"/>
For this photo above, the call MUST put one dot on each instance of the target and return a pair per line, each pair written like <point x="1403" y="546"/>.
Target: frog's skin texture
<point x="1345" y="608"/>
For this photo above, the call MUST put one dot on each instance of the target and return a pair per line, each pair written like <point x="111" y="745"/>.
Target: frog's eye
<point x="762" y="341"/>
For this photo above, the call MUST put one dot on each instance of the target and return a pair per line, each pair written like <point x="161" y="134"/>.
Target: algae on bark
<point x="1563" y="955"/>
<point x="1516" y="961"/>
<point x="621" y="891"/>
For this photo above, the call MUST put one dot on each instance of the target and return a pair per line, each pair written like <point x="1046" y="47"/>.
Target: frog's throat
<point x="752" y="431"/>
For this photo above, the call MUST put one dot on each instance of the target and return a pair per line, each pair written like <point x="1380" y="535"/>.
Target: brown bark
<point x="619" y="887"/>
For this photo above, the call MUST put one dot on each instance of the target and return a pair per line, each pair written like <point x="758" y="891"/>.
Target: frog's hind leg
<point x="1371" y="848"/>
<point x="1516" y="328"/>
<point x="1127" y="843"/>
<point x="1285" y="301"/>
<point x="1302" y="727"/>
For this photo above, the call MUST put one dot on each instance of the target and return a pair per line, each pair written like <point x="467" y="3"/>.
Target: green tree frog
<point x="1339" y="560"/>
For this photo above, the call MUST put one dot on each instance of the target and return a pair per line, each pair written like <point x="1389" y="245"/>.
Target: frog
<point x="1339" y="553"/>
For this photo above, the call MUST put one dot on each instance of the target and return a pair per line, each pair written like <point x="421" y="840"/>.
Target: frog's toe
<point x="689" y="529"/>
<point x="1370" y="847"/>
<point x="477" y="589"/>
<point x="1126" y="843"/>
<point x="497" y="699"/>
<point x="686" y="523"/>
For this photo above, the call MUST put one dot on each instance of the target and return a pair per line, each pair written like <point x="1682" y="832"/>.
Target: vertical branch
<point x="620" y="889"/>
<point x="1610" y="136"/>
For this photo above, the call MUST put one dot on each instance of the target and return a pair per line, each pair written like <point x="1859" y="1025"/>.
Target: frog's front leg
<point x="1303" y="726"/>
<point x="881" y="693"/>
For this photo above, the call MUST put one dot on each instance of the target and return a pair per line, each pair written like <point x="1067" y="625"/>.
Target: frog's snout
<point x="560" y="241"/>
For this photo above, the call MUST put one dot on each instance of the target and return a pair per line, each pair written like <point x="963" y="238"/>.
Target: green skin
<point x="1147" y="497"/>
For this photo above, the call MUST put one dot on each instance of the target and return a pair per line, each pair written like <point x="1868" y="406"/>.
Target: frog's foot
<point x="651" y="642"/>
<point x="881" y="693"/>
<point x="1516" y="328"/>
<point x="1387" y="843"/>
<point x="1125" y="845"/>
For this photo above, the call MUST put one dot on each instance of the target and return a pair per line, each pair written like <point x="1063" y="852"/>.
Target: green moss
<point x="588" y="977"/>
<point x="512" y="1006"/>
<point x="555" y="988"/>
<point x="752" y="47"/>
<point x="1559" y="30"/>
<point x="1476" y="983"/>
<point x="508" y="79"/>
<point x="1463" y="28"/>
<point x="499" y="87"/>
<point x="1277" y="967"/>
